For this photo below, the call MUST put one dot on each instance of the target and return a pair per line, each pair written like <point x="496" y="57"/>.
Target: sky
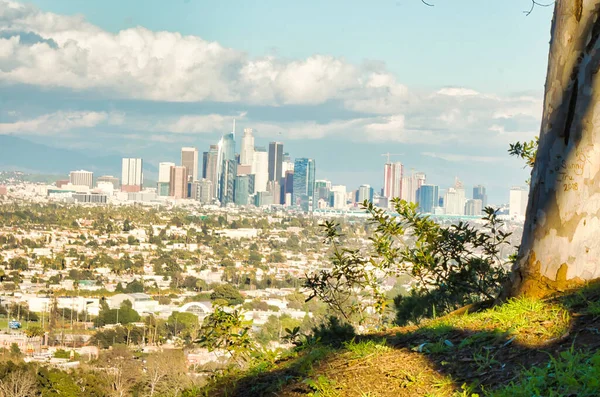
<point x="444" y="88"/>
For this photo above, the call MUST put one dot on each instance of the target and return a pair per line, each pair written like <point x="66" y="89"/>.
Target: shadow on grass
<point x="484" y="351"/>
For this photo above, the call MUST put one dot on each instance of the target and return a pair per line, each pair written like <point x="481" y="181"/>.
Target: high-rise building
<point x="338" y="197"/>
<point x="275" y="161"/>
<point x="454" y="199"/>
<point x="410" y="184"/>
<point x="226" y="154"/>
<point x="178" y="186"/>
<point x="274" y="188"/>
<point x="364" y="192"/>
<point x="288" y="184"/>
<point x="210" y="167"/>
<point x="428" y="198"/>
<point x="480" y="194"/>
<point x="518" y="201"/>
<point x="247" y="149"/>
<point x="287" y="164"/>
<point x="244" y="188"/>
<point x="322" y="190"/>
<point x="132" y="177"/>
<point x="473" y="207"/>
<point x="392" y="180"/>
<point x="303" y="194"/>
<point x="81" y="178"/>
<point x="164" y="171"/>
<point x="227" y="182"/>
<point x="262" y="199"/>
<point x="204" y="191"/>
<point x="260" y="168"/>
<point x="110" y="179"/>
<point x="189" y="160"/>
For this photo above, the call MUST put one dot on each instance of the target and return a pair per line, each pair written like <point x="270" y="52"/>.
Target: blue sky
<point x="341" y="81"/>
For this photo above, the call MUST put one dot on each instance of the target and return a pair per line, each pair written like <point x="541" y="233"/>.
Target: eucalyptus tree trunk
<point x="561" y="239"/>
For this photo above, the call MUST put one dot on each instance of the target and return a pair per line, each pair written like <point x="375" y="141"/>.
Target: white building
<point x="83" y="178"/>
<point x="410" y="184"/>
<point x="474" y="207"/>
<point x="518" y="201"/>
<point x="339" y="193"/>
<point x="164" y="172"/>
<point x="260" y="169"/>
<point x="247" y="149"/>
<point x="131" y="172"/>
<point x="141" y="303"/>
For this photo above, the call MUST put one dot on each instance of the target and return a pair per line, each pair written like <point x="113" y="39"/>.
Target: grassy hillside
<point x="524" y="347"/>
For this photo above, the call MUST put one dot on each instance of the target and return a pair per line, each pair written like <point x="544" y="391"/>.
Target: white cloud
<point x="49" y="124"/>
<point x="460" y="158"/>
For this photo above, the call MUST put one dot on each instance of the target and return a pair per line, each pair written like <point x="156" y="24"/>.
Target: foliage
<point x="228" y="293"/>
<point x="227" y="330"/>
<point x="452" y="266"/>
<point x="183" y="324"/>
<point x="525" y="150"/>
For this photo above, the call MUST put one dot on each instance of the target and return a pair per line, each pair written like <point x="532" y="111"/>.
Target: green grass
<point x="527" y="320"/>
<point x="572" y="373"/>
<point x="366" y="347"/>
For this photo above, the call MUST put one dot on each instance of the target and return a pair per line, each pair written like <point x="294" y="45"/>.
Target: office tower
<point x="247" y="149"/>
<point x="262" y="199"/>
<point x="410" y="184"/>
<point x="244" y="188"/>
<point x="518" y="201"/>
<point x="274" y="188"/>
<point x="164" y="171"/>
<point x="260" y="168"/>
<point x="131" y="175"/>
<point x="275" y="161"/>
<point x="473" y="207"/>
<point x="303" y="194"/>
<point x="109" y="179"/>
<point x="454" y="199"/>
<point x="286" y="165"/>
<point x="81" y="178"/>
<point x="227" y="182"/>
<point x="322" y="189"/>
<point x="226" y="154"/>
<point x="244" y="169"/>
<point x="364" y="192"/>
<point x="288" y="184"/>
<point x="210" y="167"/>
<point x="392" y="180"/>
<point x="189" y="160"/>
<point x="204" y="191"/>
<point x="338" y="197"/>
<point x="178" y="186"/>
<point x="479" y="193"/>
<point x="428" y="198"/>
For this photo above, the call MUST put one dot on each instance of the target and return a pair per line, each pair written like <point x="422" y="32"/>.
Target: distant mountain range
<point x="18" y="154"/>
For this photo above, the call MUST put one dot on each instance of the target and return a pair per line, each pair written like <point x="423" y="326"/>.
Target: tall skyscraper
<point x="164" y="171"/>
<point x="518" y="201"/>
<point x="303" y="194"/>
<point x="364" y="192"/>
<point x="473" y="207"/>
<point x="410" y="184"/>
<point x="189" y="160"/>
<point x="178" y="186"/>
<point x="480" y="194"/>
<point x="274" y="188"/>
<point x="81" y="178"/>
<point x="338" y="197"/>
<point x="392" y="180"/>
<point x="210" y="167"/>
<point x="275" y="161"/>
<point x="322" y="190"/>
<point x="260" y="168"/>
<point x="132" y="177"/>
<point x="227" y="182"/>
<point x="428" y="198"/>
<point x="288" y="184"/>
<point x="205" y="191"/>
<point x="287" y="164"/>
<point x="244" y="187"/>
<point x="247" y="149"/>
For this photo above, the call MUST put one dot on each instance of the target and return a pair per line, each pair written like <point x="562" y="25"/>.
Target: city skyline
<point x="352" y="105"/>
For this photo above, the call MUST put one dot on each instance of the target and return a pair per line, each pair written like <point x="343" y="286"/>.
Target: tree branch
<point x="535" y="3"/>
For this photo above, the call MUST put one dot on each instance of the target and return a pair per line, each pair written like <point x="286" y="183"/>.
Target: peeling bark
<point x="561" y="239"/>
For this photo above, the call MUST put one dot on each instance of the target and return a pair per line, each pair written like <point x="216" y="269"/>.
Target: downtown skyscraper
<point x="210" y="168"/>
<point x="189" y="160"/>
<point x="480" y="194"/>
<point x="392" y="180"/>
<point x="303" y="193"/>
<point x="132" y="177"/>
<point x="247" y="149"/>
<point x="227" y="167"/>
<point x="275" y="161"/>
